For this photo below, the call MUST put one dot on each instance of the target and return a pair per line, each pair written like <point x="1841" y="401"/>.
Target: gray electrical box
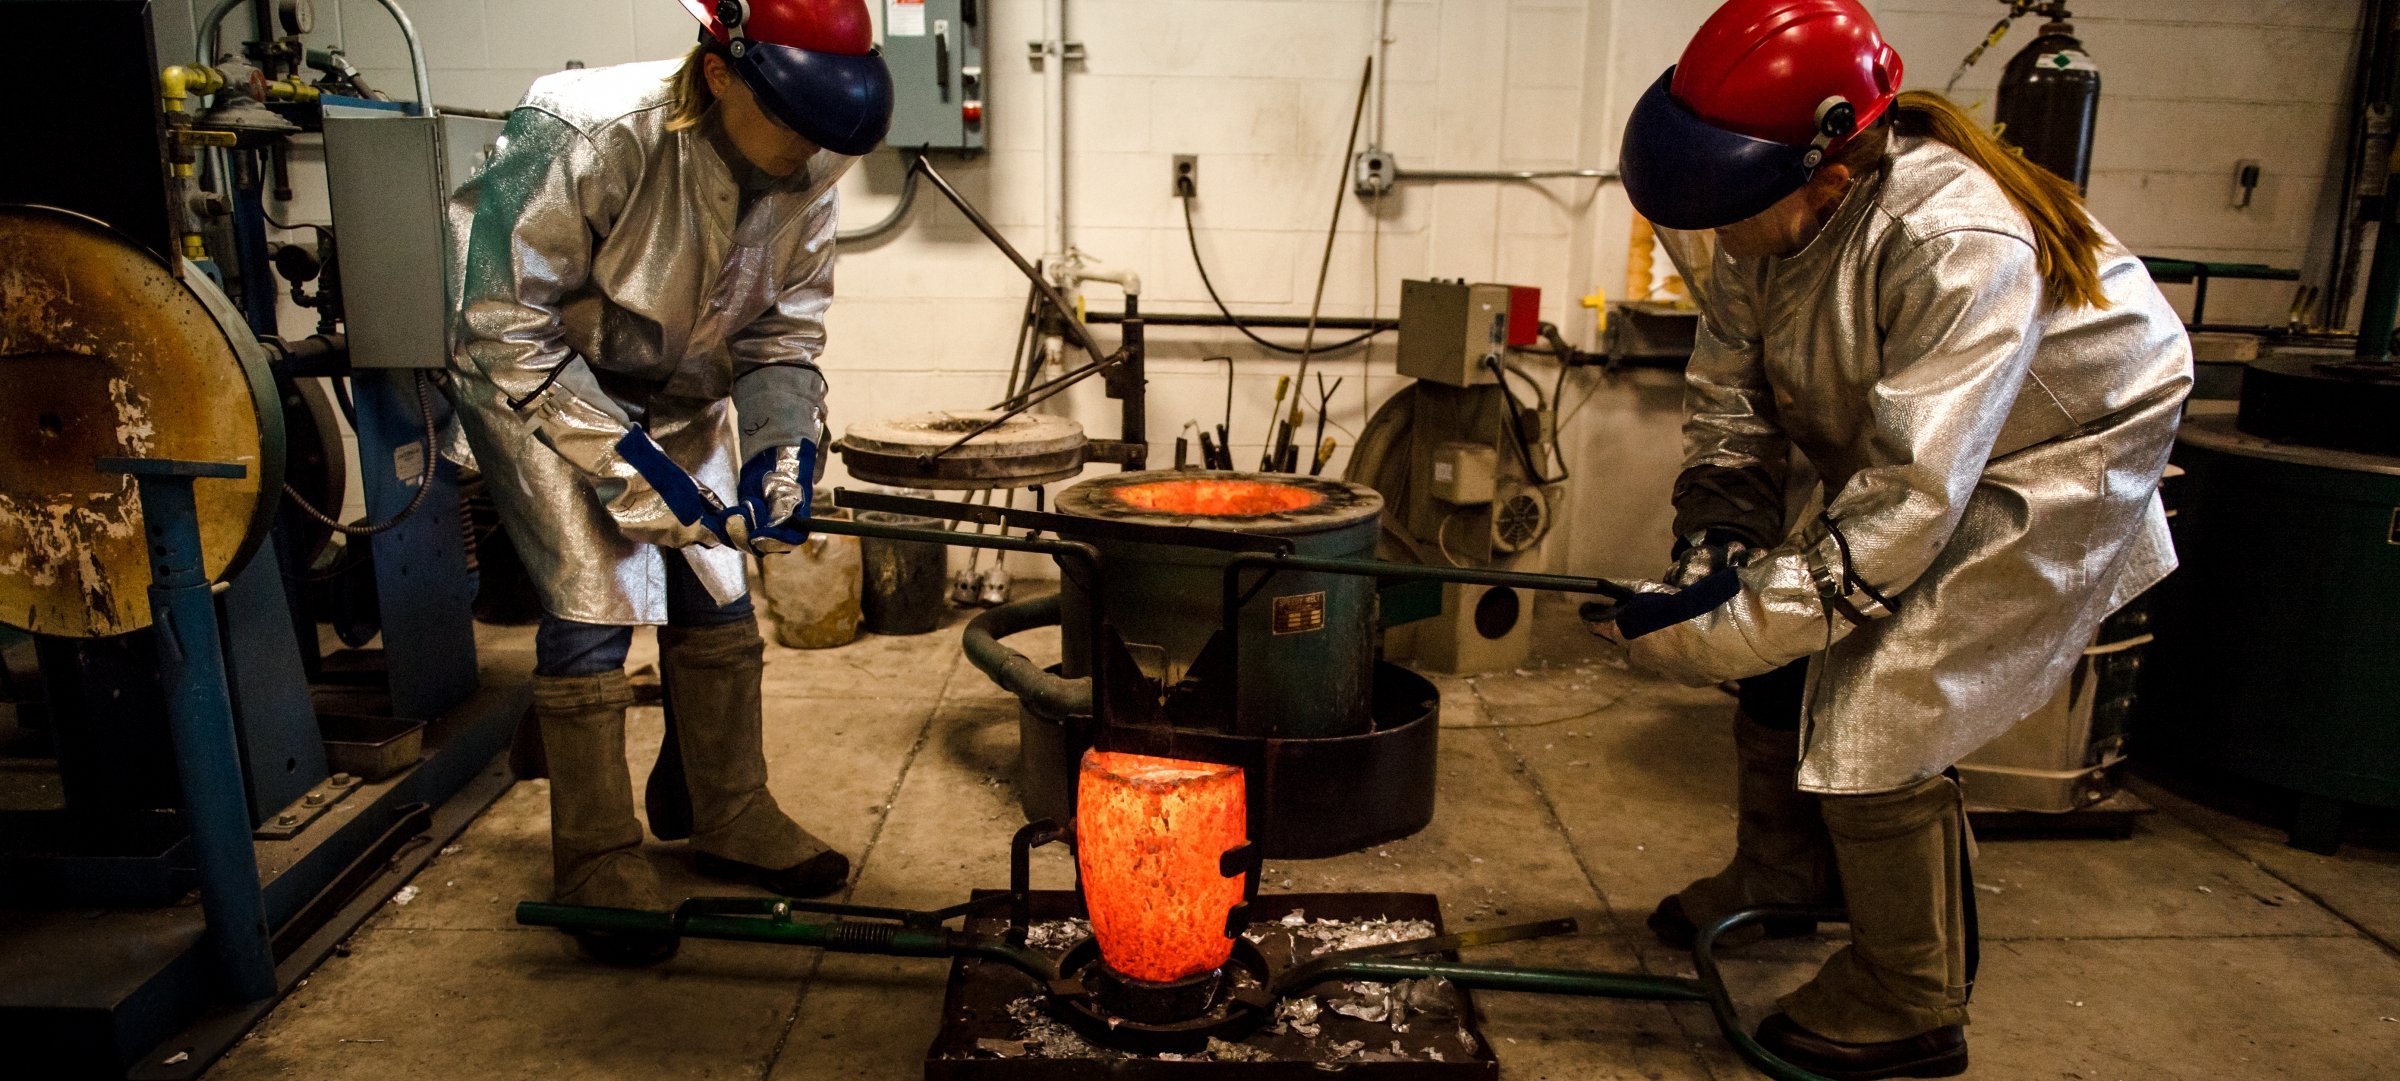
<point x="935" y="51"/>
<point x="389" y="177"/>
<point x="1448" y="327"/>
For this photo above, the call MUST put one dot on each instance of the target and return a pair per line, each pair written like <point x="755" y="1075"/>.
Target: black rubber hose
<point x="1015" y="673"/>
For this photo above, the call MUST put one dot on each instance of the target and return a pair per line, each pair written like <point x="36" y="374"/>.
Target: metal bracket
<point x="287" y="823"/>
<point x="1036" y="51"/>
<point x="1115" y="452"/>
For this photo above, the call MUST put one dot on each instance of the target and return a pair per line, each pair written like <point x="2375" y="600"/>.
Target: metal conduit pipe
<point x="892" y="220"/>
<point x="1211" y="319"/>
<point x="1051" y="694"/>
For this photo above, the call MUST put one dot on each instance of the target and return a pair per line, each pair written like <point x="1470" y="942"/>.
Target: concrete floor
<point x="2201" y="947"/>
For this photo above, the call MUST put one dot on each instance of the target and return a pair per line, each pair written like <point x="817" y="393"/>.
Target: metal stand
<point x="191" y="664"/>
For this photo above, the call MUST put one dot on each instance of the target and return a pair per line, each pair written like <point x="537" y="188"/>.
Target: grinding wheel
<point x="1024" y="450"/>
<point x="105" y="352"/>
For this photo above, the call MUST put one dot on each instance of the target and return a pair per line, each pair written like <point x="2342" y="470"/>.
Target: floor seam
<point x="891" y="798"/>
<point x="1692" y="1040"/>
<point x="2202" y="828"/>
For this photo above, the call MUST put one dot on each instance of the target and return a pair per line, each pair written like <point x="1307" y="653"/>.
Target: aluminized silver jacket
<point x="606" y="281"/>
<point x="1990" y="461"/>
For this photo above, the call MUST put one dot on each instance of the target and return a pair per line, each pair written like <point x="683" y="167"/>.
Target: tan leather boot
<point x="738" y="831"/>
<point x="1893" y="1002"/>
<point x="595" y="843"/>
<point x="1781" y="855"/>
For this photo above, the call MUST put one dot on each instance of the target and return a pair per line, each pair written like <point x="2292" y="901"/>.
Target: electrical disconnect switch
<point x="934" y="50"/>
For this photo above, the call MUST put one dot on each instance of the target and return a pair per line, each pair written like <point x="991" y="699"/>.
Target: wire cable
<point x="424" y="481"/>
<point x="1191" y="235"/>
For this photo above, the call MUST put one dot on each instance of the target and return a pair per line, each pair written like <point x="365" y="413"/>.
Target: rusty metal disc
<point x="105" y="352"/>
<point x="1024" y="450"/>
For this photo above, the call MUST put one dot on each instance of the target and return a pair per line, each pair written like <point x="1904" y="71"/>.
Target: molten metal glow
<point x="1148" y="836"/>
<point x="1218" y="497"/>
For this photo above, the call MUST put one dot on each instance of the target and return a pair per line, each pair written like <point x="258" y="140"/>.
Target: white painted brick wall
<point x="1262" y="91"/>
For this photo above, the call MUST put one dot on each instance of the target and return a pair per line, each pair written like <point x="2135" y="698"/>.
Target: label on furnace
<point x="1300" y="613"/>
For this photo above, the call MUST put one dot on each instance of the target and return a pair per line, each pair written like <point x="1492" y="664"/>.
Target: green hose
<point x="1720" y="1001"/>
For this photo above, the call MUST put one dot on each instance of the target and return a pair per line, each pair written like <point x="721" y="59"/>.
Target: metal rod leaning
<point x="1066" y="312"/>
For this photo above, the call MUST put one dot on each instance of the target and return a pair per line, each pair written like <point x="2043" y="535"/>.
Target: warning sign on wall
<point x="904" y="18"/>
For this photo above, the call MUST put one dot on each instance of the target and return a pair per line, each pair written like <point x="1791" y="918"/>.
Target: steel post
<point x="191" y="666"/>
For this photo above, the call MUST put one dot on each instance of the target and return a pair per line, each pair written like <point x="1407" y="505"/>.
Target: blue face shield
<point x="1683" y="172"/>
<point x="842" y="103"/>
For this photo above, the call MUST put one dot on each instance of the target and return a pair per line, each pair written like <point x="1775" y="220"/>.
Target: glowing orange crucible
<point x="1150" y="833"/>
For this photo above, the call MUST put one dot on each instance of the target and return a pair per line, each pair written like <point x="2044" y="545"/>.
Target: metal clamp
<point x="1037" y="51"/>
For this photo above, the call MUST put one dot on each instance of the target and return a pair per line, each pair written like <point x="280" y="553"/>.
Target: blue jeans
<point x="565" y="647"/>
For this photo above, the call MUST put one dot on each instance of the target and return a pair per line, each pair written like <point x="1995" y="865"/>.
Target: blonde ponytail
<point x="2066" y="244"/>
<point x="690" y="99"/>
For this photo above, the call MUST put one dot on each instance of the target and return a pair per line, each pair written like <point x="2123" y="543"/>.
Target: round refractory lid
<point x="1026" y="449"/>
<point x="104" y="353"/>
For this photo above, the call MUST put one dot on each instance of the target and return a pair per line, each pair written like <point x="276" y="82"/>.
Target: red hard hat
<point x="824" y="26"/>
<point x="1763" y="94"/>
<point x="811" y="62"/>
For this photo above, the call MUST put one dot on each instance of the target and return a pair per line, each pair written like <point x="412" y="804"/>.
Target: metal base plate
<point x="980" y="1040"/>
<point x="2110" y="819"/>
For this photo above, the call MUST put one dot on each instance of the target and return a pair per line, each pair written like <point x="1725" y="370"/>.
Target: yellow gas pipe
<point x="178" y="83"/>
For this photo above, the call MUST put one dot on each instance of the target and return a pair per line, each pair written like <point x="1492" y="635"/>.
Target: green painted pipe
<point x="1539" y="981"/>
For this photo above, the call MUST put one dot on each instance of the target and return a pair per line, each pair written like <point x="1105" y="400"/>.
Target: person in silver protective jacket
<point x="646" y="264"/>
<point x="1987" y="384"/>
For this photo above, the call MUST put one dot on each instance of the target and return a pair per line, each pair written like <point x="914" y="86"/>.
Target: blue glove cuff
<point x="675" y="486"/>
<point x="1650" y="612"/>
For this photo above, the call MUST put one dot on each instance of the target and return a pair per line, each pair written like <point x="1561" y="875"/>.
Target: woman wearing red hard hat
<point x="1987" y="385"/>
<point x="649" y="256"/>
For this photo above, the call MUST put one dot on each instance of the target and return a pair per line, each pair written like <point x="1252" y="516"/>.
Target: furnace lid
<point x="1272" y="503"/>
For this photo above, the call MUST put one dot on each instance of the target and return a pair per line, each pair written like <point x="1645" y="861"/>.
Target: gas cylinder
<point x="2049" y="98"/>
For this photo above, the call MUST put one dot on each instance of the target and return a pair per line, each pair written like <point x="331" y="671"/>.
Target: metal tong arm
<point x="853" y="928"/>
<point x="1234" y="596"/>
<point x="1049" y="292"/>
<point x="1327" y="966"/>
<point x="1064" y="525"/>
